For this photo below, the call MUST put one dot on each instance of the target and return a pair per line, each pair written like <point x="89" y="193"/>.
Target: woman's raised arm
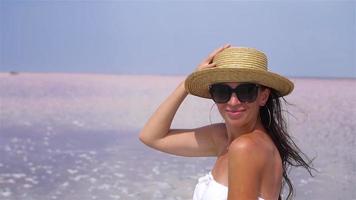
<point x="186" y="142"/>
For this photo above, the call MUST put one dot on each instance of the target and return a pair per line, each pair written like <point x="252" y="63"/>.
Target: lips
<point x="235" y="113"/>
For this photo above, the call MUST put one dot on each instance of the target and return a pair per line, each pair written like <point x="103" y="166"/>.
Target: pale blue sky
<point x="301" y="38"/>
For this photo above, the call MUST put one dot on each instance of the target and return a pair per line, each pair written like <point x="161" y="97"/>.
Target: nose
<point x="234" y="100"/>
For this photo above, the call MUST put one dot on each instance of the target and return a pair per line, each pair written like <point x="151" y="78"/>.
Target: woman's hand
<point x="208" y="62"/>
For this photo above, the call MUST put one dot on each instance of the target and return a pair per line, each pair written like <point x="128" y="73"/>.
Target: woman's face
<point x="239" y="113"/>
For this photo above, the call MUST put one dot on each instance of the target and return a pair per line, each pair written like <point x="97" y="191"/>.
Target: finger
<point x="211" y="56"/>
<point x="227" y="46"/>
<point x="205" y="66"/>
<point x="211" y="65"/>
<point x="218" y="50"/>
<point x="222" y="48"/>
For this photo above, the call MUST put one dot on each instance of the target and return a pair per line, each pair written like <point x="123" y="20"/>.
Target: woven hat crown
<point x="248" y="58"/>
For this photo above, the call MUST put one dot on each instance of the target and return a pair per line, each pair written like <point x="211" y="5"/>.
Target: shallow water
<point x="73" y="164"/>
<point x="75" y="137"/>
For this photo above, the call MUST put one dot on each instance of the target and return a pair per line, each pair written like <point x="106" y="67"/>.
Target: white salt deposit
<point x="92" y="180"/>
<point x="72" y="171"/>
<point x="79" y="177"/>
<point x="32" y="180"/>
<point x="113" y="196"/>
<point x="5" y="192"/>
<point x="119" y="175"/>
<point x="18" y="176"/>
<point x="156" y="170"/>
<point x="27" y="185"/>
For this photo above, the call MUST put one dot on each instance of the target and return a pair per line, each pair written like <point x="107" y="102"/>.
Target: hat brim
<point x="198" y="82"/>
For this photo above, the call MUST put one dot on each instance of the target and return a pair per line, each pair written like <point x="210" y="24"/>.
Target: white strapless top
<point x="208" y="189"/>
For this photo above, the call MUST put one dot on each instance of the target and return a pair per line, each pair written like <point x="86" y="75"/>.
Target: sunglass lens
<point x="220" y="93"/>
<point x="247" y="92"/>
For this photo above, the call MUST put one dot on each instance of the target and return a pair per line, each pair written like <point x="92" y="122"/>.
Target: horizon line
<point x="154" y="74"/>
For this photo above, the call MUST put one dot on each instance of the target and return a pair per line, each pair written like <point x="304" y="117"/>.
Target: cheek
<point x="221" y="109"/>
<point x="223" y="114"/>
<point x="254" y="109"/>
<point x="256" y="113"/>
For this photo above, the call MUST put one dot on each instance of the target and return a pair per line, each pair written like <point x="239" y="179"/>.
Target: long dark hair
<point x="273" y="121"/>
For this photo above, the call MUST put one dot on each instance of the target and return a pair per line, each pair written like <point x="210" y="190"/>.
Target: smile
<point x="234" y="113"/>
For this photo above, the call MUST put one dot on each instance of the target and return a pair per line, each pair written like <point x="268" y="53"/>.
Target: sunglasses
<point x="245" y="92"/>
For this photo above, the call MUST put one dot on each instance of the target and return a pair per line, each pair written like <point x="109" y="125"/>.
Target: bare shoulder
<point x="249" y="157"/>
<point x="252" y="148"/>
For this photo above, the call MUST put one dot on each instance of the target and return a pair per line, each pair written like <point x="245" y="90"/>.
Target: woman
<point x="252" y="146"/>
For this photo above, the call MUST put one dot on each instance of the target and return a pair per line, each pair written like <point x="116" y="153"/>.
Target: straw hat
<point x="237" y="64"/>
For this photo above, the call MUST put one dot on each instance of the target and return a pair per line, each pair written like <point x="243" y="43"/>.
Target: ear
<point x="264" y="94"/>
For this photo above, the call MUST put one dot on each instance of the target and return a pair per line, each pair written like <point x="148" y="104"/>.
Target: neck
<point x="234" y="132"/>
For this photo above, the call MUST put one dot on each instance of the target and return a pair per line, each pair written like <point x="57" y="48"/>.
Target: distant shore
<point x="151" y="75"/>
